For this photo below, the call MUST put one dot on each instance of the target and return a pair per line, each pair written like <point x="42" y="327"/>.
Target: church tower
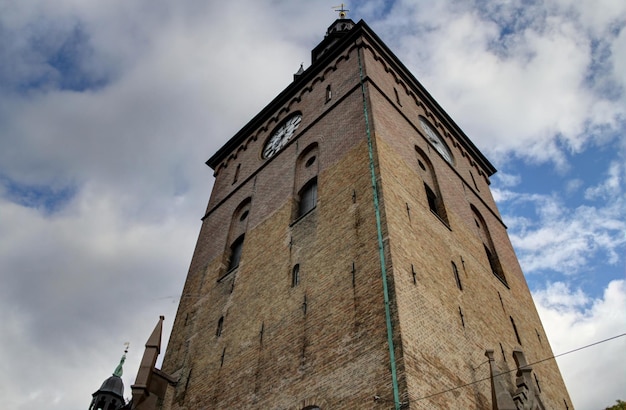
<point x="352" y="257"/>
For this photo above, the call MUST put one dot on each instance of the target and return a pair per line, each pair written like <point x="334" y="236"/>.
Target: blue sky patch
<point x="45" y="198"/>
<point x="51" y="55"/>
<point x="69" y="61"/>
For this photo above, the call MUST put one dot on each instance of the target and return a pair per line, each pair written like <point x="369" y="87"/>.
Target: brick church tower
<point x="352" y="257"/>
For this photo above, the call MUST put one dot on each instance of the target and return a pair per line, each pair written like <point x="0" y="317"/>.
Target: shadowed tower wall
<point x="284" y="302"/>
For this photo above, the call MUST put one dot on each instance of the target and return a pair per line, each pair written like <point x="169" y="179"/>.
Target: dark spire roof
<point x="334" y="33"/>
<point x="112" y="385"/>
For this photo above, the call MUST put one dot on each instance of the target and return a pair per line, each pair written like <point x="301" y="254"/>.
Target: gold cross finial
<point x="342" y="10"/>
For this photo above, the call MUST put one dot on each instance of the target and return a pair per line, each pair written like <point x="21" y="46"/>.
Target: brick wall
<point x="324" y="341"/>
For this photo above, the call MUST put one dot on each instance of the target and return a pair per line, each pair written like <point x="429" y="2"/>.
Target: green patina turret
<point x="119" y="370"/>
<point x="110" y="396"/>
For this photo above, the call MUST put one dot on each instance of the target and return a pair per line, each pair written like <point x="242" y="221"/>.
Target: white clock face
<point x="281" y="135"/>
<point x="436" y="141"/>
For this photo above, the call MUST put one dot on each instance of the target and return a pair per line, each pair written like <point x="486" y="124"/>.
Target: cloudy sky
<point x="108" y="110"/>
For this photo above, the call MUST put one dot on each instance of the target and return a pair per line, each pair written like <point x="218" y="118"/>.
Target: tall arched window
<point x="307" y="197"/>
<point x="235" y="253"/>
<point x="490" y="251"/>
<point x="431" y="187"/>
<point x="236" y="234"/>
<point x="305" y="189"/>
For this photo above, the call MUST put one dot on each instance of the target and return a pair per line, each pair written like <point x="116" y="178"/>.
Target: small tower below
<point x="110" y="396"/>
<point x="335" y="31"/>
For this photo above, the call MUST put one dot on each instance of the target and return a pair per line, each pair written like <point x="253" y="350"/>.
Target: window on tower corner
<point x="433" y="195"/>
<point x="490" y="250"/>
<point x="432" y="199"/>
<point x="235" y="253"/>
<point x="307" y="197"/>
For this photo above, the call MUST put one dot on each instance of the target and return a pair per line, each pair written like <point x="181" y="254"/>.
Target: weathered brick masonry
<point x="251" y="338"/>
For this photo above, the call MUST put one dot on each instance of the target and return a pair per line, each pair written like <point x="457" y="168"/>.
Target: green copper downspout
<point x="381" y="247"/>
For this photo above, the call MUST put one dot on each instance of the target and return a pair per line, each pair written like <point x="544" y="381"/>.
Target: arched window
<point x="235" y="253"/>
<point x="236" y="234"/>
<point x="305" y="188"/>
<point x="490" y="251"/>
<point x="431" y="187"/>
<point x="307" y="197"/>
<point x="432" y="199"/>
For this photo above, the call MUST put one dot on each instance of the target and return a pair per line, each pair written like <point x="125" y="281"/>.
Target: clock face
<point x="281" y="135"/>
<point x="435" y="140"/>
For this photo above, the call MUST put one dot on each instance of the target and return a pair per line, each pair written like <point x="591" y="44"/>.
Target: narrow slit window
<point x="329" y="93"/>
<point x="515" y="330"/>
<point x="457" y="278"/>
<point x="236" y="177"/>
<point x="395" y="91"/>
<point x="474" y="181"/>
<point x="295" y="276"/>
<point x="537" y="383"/>
<point x="462" y="317"/>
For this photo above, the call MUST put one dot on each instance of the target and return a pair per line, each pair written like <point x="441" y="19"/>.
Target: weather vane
<point x="342" y="11"/>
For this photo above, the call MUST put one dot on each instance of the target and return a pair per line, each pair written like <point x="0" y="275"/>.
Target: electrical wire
<point x="514" y="370"/>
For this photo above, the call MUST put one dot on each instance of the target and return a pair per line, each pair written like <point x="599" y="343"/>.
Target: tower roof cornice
<point x="334" y="43"/>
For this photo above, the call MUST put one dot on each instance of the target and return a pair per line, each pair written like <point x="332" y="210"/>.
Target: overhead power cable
<point x="514" y="370"/>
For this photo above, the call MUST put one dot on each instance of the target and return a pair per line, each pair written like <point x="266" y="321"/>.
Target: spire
<point x="151" y="383"/>
<point x="155" y="338"/>
<point x="334" y="33"/>
<point x="299" y="73"/>
<point x="111" y="394"/>
<point x="119" y="370"/>
<point x="342" y="11"/>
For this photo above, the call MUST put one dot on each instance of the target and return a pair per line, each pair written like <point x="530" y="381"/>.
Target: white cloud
<point x="573" y="185"/>
<point x="81" y="280"/>
<point x="565" y="237"/>
<point x="610" y="187"/>
<point x="528" y="66"/>
<point x="573" y="320"/>
<point x="76" y="285"/>
<point x="565" y="240"/>
<point x="178" y="79"/>
<point x="508" y="180"/>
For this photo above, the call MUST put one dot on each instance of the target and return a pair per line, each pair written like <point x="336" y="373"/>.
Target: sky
<point x="109" y="109"/>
